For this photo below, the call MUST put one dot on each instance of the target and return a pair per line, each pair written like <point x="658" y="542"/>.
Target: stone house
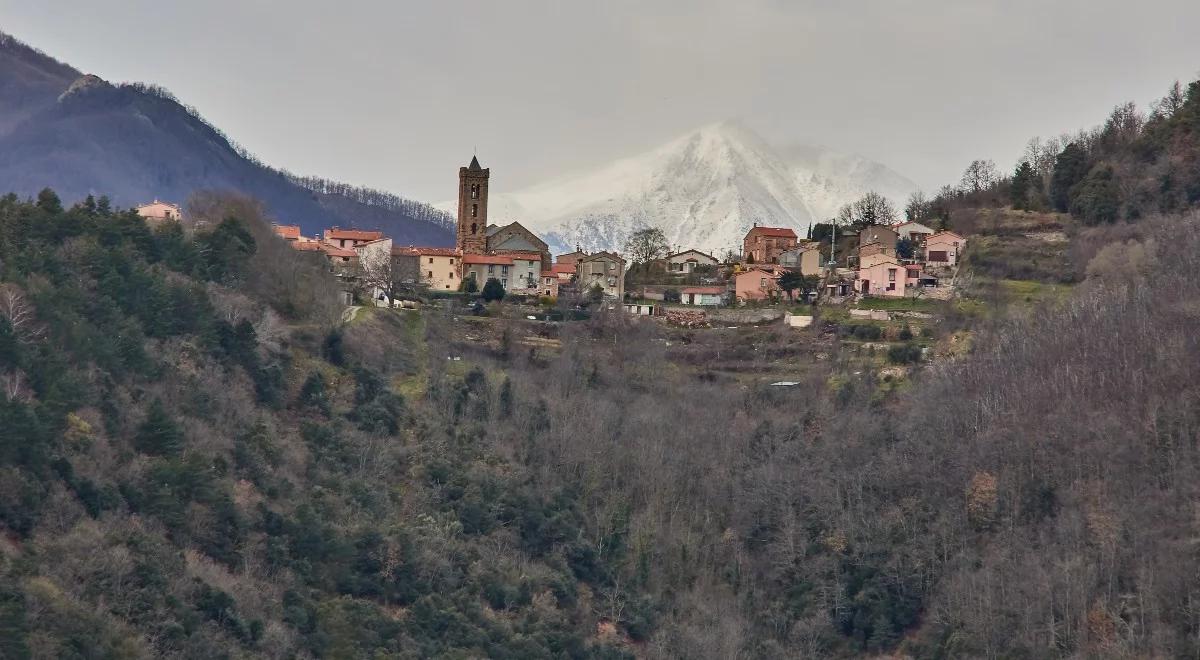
<point x="604" y="268"/>
<point x="763" y="245"/>
<point x="877" y="239"/>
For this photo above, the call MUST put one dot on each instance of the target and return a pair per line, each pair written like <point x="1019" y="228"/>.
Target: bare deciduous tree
<point x="979" y="176"/>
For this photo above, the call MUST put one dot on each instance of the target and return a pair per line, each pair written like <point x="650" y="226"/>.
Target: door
<point x="866" y="286"/>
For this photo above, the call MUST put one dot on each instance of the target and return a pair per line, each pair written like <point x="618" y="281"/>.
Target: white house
<point x="688" y="260"/>
<point x="702" y="295"/>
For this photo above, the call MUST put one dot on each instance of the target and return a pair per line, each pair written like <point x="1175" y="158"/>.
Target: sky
<point x="397" y="95"/>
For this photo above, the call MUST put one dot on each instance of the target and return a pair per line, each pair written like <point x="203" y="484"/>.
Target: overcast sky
<point x="396" y="95"/>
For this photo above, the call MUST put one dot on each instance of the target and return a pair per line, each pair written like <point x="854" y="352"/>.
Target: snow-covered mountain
<point x="704" y="190"/>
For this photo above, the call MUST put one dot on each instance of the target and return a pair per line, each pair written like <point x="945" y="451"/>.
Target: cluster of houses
<point x="510" y="254"/>
<point x="889" y="261"/>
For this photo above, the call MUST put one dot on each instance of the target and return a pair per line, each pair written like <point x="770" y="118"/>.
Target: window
<point x="430" y="259"/>
<point x="474" y="228"/>
<point x="474" y="213"/>
<point x="504" y="270"/>
<point x="504" y="282"/>
<point x="474" y="191"/>
<point x="491" y="268"/>
<point x="429" y="274"/>
<point x="451" y="261"/>
<point x="451" y="274"/>
<point x="891" y="274"/>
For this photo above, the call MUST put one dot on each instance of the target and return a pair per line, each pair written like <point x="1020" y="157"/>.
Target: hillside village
<point x="776" y="267"/>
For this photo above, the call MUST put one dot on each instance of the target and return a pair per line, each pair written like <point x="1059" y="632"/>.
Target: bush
<point x="904" y="354"/>
<point x="493" y="290"/>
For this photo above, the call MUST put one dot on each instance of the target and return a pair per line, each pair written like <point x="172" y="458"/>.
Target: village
<point x="775" y="271"/>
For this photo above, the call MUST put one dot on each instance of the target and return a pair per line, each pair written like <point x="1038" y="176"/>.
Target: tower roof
<point x="475" y="163"/>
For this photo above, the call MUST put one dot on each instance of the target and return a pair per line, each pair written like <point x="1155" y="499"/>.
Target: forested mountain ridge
<point x="81" y="135"/>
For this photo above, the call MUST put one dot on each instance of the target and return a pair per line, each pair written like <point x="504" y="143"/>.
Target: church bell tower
<point x="472" y="208"/>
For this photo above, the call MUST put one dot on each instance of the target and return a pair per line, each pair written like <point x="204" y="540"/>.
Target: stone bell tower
<point x="472" y="208"/>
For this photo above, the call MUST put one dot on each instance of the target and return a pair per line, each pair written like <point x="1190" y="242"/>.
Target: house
<point x="702" y="295"/>
<point x="913" y="231"/>
<point x="687" y="261"/>
<point x="439" y="268"/>
<point x="483" y="267"/>
<point x="806" y="257"/>
<point x="944" y="248"/>
<point x="549" y="284"/>
<point x="763" y="245"/>
<point x="156" y="212"/>
<point x="349" y="238"/>
<point x="882" y="275"/>
<point x="602" y="268"/>
<point x="570" y="258"/>
<point x="756" y="284"/>
<point x="640" y="309"/>
<point x="877" y="239"/>
<point x="340" y="257"/>
<point x="286" y="232"/>
<point x="526" y="272"/>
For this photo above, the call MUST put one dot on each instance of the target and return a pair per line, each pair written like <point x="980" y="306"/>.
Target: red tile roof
<point x="780" y="232"/>
<point x="352" y="234"/>
<point x="426" y="251"/>
<point x="715" y="290"/>
<point x="562" y="269"/>
<point x="290" y="232"/>
<point x="487" y="259"/>
<point x="335" y="251"/>
<point x="305" y="246"/>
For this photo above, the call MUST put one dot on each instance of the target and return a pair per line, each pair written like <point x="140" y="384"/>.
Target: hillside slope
<point x="80" y="135"/>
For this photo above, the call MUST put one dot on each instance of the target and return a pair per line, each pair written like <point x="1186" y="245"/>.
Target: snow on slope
<point x="704" y="190"/>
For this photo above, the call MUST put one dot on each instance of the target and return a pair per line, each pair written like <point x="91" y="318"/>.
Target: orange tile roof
<point x="305" y="246"/>
<point x="335" y="251"/>
<point x="562" y="269"/>
<point x="487" y="259"/>
<point x="290" y="232"/>
<point x="782" y="232"/>
<point x="352" y="234"/>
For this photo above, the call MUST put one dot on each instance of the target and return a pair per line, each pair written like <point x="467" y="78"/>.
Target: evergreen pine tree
<point x="159" y="434"/>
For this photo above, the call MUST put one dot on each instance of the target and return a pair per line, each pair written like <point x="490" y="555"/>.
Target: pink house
<point x="944" y="248"/>
<point x="881" y="275"/>
<point x="158" y="211"/>
<point x="756" y="284"/>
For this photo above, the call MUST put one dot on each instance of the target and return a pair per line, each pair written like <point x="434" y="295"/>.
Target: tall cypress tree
<point x="1024" y="182"/>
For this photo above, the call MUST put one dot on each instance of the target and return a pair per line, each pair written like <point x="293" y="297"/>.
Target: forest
<point x="200" y="457"/>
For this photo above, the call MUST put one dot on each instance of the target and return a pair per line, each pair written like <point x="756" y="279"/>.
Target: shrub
<point x="904" y="354"/>
<point x="493" y="290"/>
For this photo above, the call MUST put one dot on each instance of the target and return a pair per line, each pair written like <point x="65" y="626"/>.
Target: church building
<point x="475" y="236"/>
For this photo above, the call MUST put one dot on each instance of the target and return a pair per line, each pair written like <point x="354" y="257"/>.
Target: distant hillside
<point x="81" y="135"/>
